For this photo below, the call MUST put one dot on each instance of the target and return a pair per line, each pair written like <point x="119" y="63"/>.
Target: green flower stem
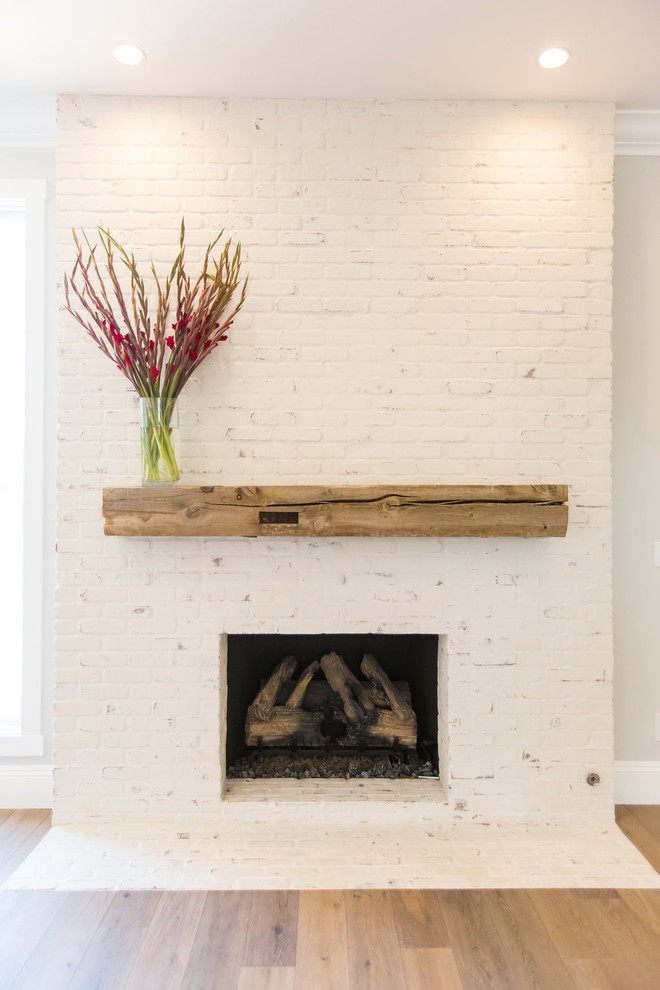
<point x="158" y="457"/>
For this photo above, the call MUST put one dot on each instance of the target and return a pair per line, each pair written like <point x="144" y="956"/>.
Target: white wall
<point x="636" y="460"/>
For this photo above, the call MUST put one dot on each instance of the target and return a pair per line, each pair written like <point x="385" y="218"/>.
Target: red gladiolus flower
<point x="143" y="339"/>
<point x="223" y="338"/>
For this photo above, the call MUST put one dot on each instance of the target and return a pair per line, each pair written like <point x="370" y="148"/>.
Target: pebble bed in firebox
<point x="326" y="766"/>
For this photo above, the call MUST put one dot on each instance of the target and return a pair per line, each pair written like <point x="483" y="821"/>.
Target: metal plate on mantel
<point x="314" y="511"/>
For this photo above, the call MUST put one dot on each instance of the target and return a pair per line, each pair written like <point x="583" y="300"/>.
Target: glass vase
<point x="159" y="433"/>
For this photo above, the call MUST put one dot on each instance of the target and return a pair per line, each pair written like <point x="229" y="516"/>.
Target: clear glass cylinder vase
<point x="159" y="436"/>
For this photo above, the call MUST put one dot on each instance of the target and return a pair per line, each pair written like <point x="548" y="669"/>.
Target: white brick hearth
<point x="242" y="853"/>
<point x="429" y="302"/>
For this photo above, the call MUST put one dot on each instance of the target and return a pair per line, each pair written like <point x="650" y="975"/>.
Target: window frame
<point x="30" y="740"/>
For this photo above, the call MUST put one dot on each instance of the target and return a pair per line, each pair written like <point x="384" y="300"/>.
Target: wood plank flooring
<point x="641" y="823"/>
<point x="329" y="940"/>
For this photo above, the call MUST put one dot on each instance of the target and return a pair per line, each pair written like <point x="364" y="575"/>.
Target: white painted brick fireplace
<point x="429" y="302"/>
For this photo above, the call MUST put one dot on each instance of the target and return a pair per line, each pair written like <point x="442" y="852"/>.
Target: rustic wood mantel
<point x="356" y="510"/>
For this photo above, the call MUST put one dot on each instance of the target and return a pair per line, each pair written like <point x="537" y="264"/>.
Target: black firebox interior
<point x="251" y="660"/>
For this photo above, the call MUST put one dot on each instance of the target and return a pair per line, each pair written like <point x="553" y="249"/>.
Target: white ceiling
<point x="444" y="49"/>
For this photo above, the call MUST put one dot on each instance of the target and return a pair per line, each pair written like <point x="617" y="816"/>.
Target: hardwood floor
<point x="641" y="823"/>
<point x="329" y="940"/>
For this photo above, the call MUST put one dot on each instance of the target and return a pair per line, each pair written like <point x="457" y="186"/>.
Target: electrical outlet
<point x="657" y="727"/>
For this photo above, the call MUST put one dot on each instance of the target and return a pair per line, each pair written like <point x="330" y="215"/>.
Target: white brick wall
<point x="429" y="302"/>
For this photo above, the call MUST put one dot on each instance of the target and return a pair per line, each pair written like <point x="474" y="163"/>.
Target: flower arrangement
<point x="157" y="358"/>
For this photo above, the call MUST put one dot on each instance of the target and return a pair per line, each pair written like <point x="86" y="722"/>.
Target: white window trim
<point x="30" y="742"/>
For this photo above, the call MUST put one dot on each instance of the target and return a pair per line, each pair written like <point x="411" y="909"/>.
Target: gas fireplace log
<point x="360" y="689"/>
<point x="375" y="713"/>
<point x="263" y="703"/>
<point x="284" y="727"/>
<point x="295" y="727"/>
<point x="341" y="680"/>
<point x="373" y="670"/>
<point x="319" y="694"/>
<point x="390" y="729"/>
<point x="295" y="698"/>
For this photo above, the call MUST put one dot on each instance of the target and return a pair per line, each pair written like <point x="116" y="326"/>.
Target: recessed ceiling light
<point x="128" y="54"/>
<point x="552" y="58"/>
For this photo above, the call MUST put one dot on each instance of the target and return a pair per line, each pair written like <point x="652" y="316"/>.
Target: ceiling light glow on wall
<point x="128" y="54"/>
<point x="552" y="58"/>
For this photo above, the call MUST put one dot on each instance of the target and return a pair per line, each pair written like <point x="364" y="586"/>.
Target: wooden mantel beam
<point x="314" y="511"/>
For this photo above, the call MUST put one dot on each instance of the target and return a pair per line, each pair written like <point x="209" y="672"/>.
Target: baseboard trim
<point x="637" y="782"/>
<point x="26" y="786"/>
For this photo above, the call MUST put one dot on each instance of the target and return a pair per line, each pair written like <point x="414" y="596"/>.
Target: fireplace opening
<point x="332" y="705"/>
